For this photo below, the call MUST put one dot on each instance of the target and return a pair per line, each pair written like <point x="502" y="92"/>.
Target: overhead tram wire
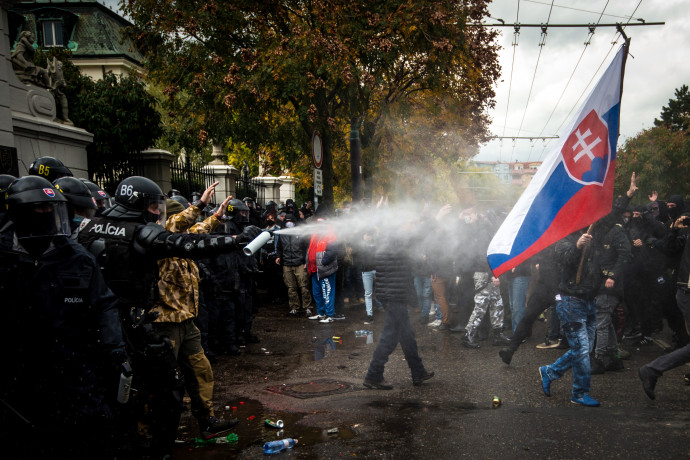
<point x="516" y="36"/>
<point x="542" y="42"/>
<point x="613" y="44"/>
<point x="582" y="10"/>
<point x="588" y="41"/>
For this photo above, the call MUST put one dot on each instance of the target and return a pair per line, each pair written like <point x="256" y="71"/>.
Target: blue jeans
<point x="368" y="282"/>
<point x="578" y="319"/>
<point x="422" y="286"/>
<point x="323" y="291"/>
<point x="517" y="293"/>
<point x="396" y="329"/>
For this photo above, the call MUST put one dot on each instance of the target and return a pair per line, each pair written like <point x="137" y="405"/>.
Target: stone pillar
<point x="156" y="164"/>
<point x="287" y="188"/>
<point x="224" y="173"/>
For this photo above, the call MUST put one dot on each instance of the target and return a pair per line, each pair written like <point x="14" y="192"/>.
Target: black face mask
<point x="151" y="217"/>
<point x="269" y="222"/>
<point x="674" y="213"/>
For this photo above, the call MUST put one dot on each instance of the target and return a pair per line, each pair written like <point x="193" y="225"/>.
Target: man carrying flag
<point x="572" y="189"/>
<point x="581" y="257"/>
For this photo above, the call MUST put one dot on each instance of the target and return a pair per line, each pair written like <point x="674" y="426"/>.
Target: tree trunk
<point x="356" y="161"/>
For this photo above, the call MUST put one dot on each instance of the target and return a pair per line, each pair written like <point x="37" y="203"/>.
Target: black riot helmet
<point x="101" y="196"/>
<point x="39" y="213"/>
<point x="249" y="201"/>
<point x="50" y="168"/>
<point x="138" y="198"/>
<point x="77" y="194"/>
<point x="271" y="206"/>
<point x="5" y="181"/>
<point x="182" y="200"/>
<point x="173" y="192"/>
<point x="237" y="211"/>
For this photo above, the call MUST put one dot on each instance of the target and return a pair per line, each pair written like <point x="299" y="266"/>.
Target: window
<point x="52" y="33"/>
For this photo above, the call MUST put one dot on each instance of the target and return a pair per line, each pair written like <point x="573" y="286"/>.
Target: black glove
<point x="248" y="234"/>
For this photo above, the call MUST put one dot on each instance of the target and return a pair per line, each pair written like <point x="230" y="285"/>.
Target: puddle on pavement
<point x="423" y="406"/>
<point x="328" y="341"/>
<point x="252" y="431"/>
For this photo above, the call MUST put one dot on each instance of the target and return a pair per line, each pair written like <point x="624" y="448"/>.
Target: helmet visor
<point x="155" y="210"/>
<point x="41" y="219"/>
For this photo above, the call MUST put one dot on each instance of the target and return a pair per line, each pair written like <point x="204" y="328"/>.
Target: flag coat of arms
<point x="574" y="185"/>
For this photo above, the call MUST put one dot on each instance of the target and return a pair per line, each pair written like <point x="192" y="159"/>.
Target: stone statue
<point x="50" y="77"/>
<point x="23" y="62"/>
<point x="57" y="82"/>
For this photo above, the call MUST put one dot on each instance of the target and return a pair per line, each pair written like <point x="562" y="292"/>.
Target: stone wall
<point x="27" y="117"/>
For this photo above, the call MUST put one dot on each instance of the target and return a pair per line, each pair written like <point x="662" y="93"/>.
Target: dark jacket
<point x="364" y="254"/>
<point x="590" y="274"/>
<point x="62" y="331"/>
<point x="677" y="242"/>
<point x="393" y="272"/>
<point x="292" y="249"/>
<point x="615" y="255"/>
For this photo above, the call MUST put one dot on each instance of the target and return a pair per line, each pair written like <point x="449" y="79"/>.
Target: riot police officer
<point x="255" y="217"/>
<point x="62" y="332"/>
<point x="81" y="205"/>
<point x="50" y="168"/>
<point x="128" y="240"/>
<point x="101" y="196"/>
<point x="238" y="219"/>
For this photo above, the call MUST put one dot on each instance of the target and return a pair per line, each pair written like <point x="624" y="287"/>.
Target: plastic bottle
<point x="273" y="447"/>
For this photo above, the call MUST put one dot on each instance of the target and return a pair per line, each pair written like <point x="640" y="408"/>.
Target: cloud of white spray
<point x="447" y="232"/>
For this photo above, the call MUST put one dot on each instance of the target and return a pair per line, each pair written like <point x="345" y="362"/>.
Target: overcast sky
<point x="659" y="64"/>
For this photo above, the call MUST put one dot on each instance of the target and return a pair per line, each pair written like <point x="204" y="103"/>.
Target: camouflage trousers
<point x="487" y="298"/>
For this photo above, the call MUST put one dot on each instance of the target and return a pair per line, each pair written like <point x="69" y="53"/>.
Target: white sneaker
<point x="319" y="317"/>
<point x="435" y="323"/>
<point x="327" y="319"/>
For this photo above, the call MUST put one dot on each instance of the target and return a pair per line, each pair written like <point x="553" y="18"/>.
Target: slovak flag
<point x="574" y="185"/>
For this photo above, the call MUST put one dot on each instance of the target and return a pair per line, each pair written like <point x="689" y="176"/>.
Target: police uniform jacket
<point x="61" y="329"/>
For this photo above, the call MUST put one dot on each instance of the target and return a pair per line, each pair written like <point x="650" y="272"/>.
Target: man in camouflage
<point x="487" y="298"/>
<point x="487" y="295"/>
<point x="178" y="306"/>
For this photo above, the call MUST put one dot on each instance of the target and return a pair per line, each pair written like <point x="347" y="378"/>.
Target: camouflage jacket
<point x="178" y="285"/>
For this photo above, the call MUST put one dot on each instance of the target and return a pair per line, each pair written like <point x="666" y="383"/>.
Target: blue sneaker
<point x="545" y="381"/>
<point x="585" y="400"/>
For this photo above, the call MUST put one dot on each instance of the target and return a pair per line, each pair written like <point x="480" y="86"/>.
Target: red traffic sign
<point x="316" y="151"/>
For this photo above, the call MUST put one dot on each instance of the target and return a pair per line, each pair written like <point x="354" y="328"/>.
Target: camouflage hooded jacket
<point x="178" y="285"/>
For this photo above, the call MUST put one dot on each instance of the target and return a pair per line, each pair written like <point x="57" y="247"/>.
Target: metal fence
<point x="109" y="179"/>
<point x="190" y="177"/>
<point x="246" y="186"/>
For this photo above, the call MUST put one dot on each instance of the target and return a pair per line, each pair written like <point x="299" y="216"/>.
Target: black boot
<point x="499" y="339"/>
<point x="596" y="366"/>
<point x="614" y="363"/>
<point x="211" y="426"/>
<point x="506" y="355"/>
<point x="470" y="339"/>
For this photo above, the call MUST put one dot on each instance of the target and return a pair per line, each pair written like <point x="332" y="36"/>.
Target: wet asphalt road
<point x="449" y="416"/>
